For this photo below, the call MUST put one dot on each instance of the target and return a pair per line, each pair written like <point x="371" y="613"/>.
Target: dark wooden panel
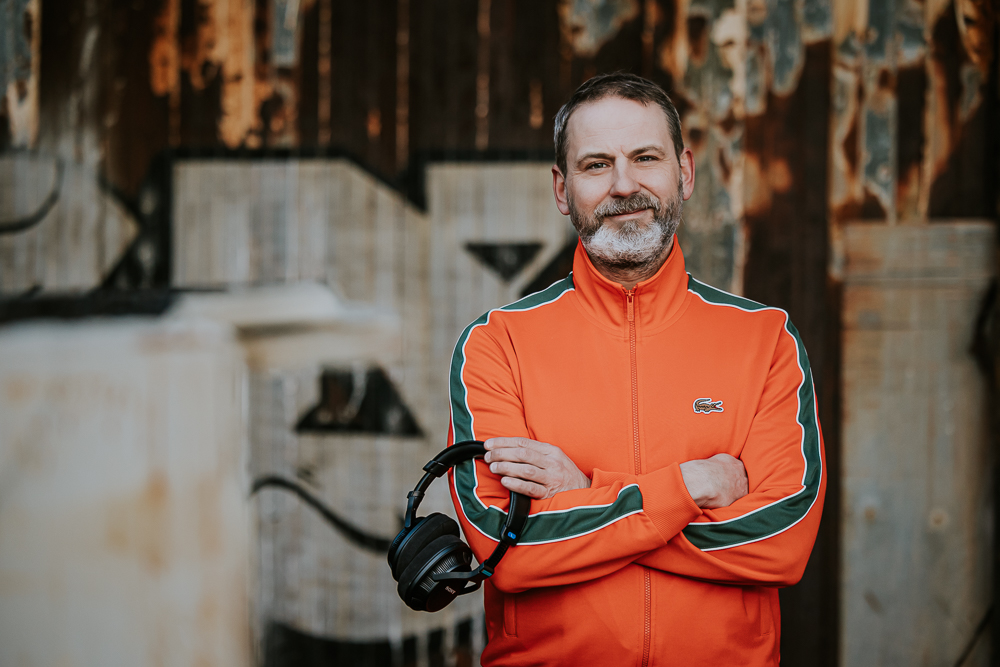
<point x="443" y="49"/>
<point x="135" y="111"/>
<point x="786" y="267"/>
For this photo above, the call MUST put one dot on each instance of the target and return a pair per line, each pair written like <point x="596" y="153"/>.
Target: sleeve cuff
<point x="665" y="498"/>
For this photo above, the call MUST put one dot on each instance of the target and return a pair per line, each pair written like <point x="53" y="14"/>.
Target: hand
<point x="536" y="469"/>
<point x="716" y="482"/>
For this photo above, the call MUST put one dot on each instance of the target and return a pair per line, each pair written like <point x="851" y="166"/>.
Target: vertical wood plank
<point x="916" y="458"/>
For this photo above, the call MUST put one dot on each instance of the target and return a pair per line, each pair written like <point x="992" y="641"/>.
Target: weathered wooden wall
<point x="803" y="116"/>
<point x="917" y="461"/>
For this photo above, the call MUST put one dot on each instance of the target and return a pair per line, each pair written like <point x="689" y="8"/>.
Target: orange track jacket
<point x="630" y="384"/>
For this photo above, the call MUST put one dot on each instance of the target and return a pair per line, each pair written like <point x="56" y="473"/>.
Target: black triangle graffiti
<point x="360" y="401"/>
<point x="506" y="259"/>
<point x="558" y="268"/>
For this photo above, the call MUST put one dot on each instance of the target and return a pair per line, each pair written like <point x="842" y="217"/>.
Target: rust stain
<point x="19" y="102"/>
<point x="138" y="525"/>
<point x="587" y="25"/>
<point x="976" y="21"/>
<point x="673" y="51"/>
<point x="959" y="50"/>
<point x="165" y="64"/>
<point x="235" y="51"/>
<point x="536" y="114"/>
<point x="164" y="56"/>
<point x="757" y="199"/>
<point x="697" y="37"/>
<point x="373" y="123"/>
<point x="18" y="388"/>
<point x="911" y="89"/>
<point x="779" y="175"/>
<point x="199" y="53"/>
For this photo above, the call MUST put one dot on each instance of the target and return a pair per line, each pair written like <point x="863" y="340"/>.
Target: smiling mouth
<point x="625" y="216"/>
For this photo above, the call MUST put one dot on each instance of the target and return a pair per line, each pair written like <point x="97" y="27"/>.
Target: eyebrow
<point x="652" y="148"/>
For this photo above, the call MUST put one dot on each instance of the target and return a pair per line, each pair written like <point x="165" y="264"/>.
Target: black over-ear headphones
<point x="428" y="558"/>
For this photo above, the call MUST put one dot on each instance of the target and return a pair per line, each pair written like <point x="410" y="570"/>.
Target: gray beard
<point x="633" y="246"/>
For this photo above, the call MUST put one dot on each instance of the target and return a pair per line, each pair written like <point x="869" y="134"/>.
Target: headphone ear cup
<point x="430" y="528"/>
<point x="447" y="553"/>
<point x="393" y="553"/>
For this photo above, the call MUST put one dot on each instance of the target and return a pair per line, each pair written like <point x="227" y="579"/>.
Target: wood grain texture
<point x="916" y="460"/>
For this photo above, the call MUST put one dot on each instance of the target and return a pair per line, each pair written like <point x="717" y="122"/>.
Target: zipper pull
<point x="629" y="295"/>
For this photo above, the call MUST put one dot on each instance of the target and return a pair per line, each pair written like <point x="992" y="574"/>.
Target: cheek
<point x="589" y="193"/>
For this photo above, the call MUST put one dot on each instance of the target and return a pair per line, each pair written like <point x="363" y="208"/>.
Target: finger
<point x="527" y="455"/>
<point x="529" y="489"/>
<point x="496" y="443"/>
<point x="520" y="470"/>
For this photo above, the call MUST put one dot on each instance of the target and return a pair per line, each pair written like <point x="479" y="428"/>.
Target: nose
<point x="625" y="183"/>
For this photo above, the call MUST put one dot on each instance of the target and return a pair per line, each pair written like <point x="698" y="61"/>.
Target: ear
<point x="559" y="190"/>
<point x="687" y="172"/>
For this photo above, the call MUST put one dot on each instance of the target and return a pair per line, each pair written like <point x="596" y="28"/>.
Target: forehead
<point x="614" y="123"/>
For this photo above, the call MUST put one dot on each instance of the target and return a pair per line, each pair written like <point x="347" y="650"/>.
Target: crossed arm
<point x="540" y="470"/>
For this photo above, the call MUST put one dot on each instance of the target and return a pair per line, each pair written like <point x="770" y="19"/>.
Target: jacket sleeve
<point x="764" y="538"/>
<point x="572" y="537"/>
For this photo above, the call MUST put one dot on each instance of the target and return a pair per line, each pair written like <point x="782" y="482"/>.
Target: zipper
<point x="630" y="314"/>
<point x="637" y="463"/>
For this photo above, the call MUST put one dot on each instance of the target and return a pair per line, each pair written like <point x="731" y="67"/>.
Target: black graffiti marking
<point x="29" y="221"/>
<point x="355" y="535"/>
<point x="362" y="401"/>
<point x="506" y="259"/>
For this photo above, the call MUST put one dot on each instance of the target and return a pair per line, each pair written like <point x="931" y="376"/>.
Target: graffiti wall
<point x="397" y="154"/>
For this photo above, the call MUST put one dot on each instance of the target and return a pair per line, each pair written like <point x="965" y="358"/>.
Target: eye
<point x="646" y="158"/>
<point x="597" y="165"/>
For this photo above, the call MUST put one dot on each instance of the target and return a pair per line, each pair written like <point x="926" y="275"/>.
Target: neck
<point x="629" y="278"/>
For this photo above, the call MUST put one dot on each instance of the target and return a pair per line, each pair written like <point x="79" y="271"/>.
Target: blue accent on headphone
<point x="511" y="535"/>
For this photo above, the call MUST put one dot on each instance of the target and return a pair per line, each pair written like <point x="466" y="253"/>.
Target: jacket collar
<point x="657" y="301"/>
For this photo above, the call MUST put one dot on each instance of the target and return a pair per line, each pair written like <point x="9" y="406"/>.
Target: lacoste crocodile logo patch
<point x="707" y="405"/>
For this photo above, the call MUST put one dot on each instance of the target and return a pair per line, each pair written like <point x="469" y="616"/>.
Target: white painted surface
<point x="124" y="532"/>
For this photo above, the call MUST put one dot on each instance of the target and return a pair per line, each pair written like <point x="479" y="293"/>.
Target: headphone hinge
<point x="436" y="468"/>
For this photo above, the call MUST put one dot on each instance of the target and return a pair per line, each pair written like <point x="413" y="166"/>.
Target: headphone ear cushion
<point x="417" y="593"/>
<point x="429" y="529"/>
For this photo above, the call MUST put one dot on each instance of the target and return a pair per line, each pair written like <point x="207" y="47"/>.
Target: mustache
<point x="638" y="201"/>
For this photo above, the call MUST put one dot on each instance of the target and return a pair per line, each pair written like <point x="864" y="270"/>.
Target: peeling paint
<point x="971" y="96"/>
<point x="588" y="25"/>
<point x="784" y="42"/>
<point x="817" y="20"/>
<point x="879" y="161"/>
<point x="976" y="24"/>
<point x="20" y="36"/>
<point x="164" y="54"/>
<point x="284" y="24"/>
<point x="236" y="53"/>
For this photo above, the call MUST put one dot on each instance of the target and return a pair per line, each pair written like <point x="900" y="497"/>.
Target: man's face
<point x="624" y="186"/>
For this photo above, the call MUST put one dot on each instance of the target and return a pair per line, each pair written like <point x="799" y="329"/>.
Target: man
<point x="665" y="430"/>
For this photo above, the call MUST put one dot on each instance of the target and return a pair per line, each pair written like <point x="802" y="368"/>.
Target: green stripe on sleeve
<point x="782" y="514"/>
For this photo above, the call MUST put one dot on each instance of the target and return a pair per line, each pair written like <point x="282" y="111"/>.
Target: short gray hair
<point x="618" y="84"/>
